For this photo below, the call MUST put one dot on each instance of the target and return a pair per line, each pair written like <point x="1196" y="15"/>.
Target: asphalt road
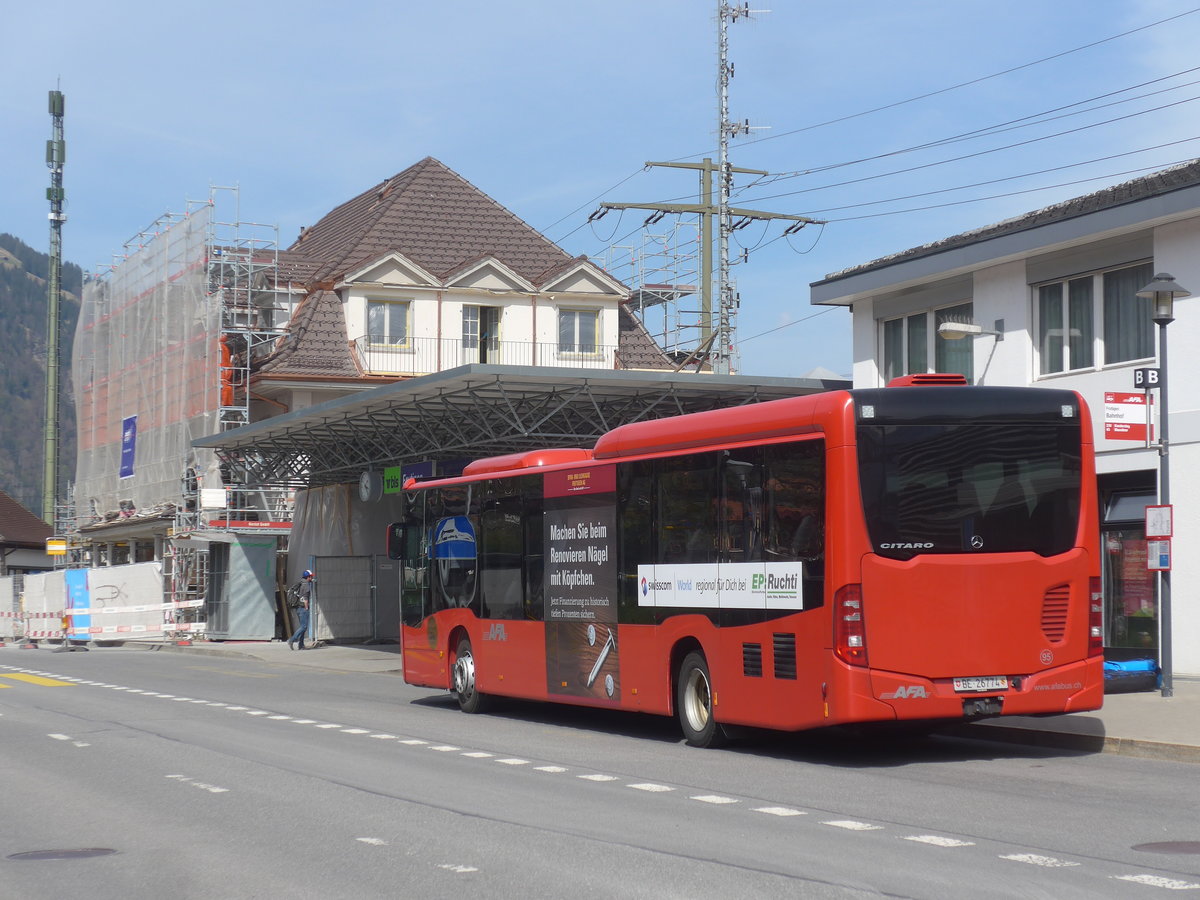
<point x="213" y="777"/>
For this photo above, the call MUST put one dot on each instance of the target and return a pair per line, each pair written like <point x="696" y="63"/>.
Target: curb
<point x="1085" y="743"/>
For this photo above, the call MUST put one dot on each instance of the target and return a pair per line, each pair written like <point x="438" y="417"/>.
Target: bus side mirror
<point x="395" y="540"/>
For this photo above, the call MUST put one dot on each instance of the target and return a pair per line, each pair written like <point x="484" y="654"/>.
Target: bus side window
<point x="535" y="560"/>
<point x="687" y="516"/>
<point x="796" y="501"/>
<point x="741" y="506"/>
<point x="501" y="553"/>
<point x="636" y="530"/>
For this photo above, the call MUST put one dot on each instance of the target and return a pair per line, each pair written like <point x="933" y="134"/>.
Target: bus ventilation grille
<point x="1054" y="612"/>
<point x="752" y="660"/>
<point x="785" y="656"/>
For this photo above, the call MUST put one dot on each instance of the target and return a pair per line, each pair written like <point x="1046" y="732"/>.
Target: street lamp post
<point x="1163" y="290"/>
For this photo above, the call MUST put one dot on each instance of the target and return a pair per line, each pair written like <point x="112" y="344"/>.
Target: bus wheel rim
<point x="464" y="675"/>
<point x="697" y="700"/>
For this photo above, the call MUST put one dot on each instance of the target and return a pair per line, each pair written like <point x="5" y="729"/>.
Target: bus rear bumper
<point x="1076" y="687"/>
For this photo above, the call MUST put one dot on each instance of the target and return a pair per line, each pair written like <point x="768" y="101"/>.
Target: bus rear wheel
<point x="470" y="700"/>
<point x="694" y="703"/>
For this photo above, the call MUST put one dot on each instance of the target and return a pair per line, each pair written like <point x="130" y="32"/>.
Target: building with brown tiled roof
<point x="22" y="539"/>
<point x="425" y="272"/>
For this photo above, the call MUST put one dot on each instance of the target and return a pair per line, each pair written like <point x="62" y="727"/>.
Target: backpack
<point x="294" y="600"/>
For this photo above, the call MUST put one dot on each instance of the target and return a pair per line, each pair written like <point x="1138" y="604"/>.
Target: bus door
<point x="418" y="633"/>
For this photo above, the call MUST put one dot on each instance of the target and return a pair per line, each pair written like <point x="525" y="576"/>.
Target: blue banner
<point x="78" y="598"/>
<point x="128" y="445"/>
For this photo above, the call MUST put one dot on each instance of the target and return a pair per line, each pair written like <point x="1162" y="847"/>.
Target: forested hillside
<point x="23" y="273"/>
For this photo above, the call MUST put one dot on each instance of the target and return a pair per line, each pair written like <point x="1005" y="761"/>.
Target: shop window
<point x="1131" y="603"/>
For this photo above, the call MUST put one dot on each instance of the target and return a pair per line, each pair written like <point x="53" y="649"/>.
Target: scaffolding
<point x="167" y="340"/>
<point x="663" y="269"/>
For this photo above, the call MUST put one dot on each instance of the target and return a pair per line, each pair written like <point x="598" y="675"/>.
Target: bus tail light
<point x="849" y="630"/>
<point x="1095" y="618"/>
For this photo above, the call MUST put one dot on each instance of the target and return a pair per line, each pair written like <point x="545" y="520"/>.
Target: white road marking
<point x="513" y="761"/>
<point x="187" y="779"/>
<point x="280" y="718"/>
<point x="850" y="825"/>
<point x="938" y="841"/>
<point x="374" y="842"/>
<point x="384" y="737"/>
<point x="1158" y="881"/>
<point x="414" y="742"/>
<point x="256" y="712"/>
<point x="713" y="798"/>
<point x="355" y="731"/>
<point x="779" y="811"/>
<point x="304" y="721"/>
<point x="1048" y="862"/>
<point x="552" y="769"/>
<point x="597" y="777"/>
<point x="444" y="748"/>
<point x="475" y="754"/>
<point x="59" y="737"/>
<point x="652" y="788"/>
<point x="455" y="867"/>
<point x="237" y="708"/>
<point x="329" y="725"/>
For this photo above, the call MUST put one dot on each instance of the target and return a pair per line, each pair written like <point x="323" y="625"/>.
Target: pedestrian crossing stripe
<point x="34" y="679"/>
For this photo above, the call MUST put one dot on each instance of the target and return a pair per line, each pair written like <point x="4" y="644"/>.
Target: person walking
<point x="305" y="589"/>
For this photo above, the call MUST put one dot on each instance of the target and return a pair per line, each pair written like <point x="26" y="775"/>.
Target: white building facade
<point x="1054" y="296"/>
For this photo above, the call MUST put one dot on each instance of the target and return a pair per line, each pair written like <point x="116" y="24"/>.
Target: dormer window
<point x="578" y="330"/>
<point x="387" y="322"/>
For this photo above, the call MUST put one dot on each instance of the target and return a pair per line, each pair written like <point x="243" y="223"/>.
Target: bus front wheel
<point x="694" y="703"/>
<point x="470" y="700"/>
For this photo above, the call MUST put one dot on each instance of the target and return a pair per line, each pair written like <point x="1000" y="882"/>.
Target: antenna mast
<point x="56" y="157"/>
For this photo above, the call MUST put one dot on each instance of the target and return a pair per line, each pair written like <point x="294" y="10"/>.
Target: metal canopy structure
<point x="474" y="411"/>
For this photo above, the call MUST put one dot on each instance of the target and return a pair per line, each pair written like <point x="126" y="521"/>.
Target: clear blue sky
<point x="547" y="105"/>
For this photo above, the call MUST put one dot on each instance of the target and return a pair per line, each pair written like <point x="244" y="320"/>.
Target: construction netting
<point x="146" y="369"/>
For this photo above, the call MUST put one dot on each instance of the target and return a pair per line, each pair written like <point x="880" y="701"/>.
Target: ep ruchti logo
<point x="771" y="582"/>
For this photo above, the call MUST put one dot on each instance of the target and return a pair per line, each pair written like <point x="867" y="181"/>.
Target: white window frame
<point x="1099" y="348"/>
<point x="576" y="345"/>
<point x="390" y="307"/>
<point x="933" y="350"/>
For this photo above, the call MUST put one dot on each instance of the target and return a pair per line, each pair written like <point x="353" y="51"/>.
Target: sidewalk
<point x="1143" y="724"/>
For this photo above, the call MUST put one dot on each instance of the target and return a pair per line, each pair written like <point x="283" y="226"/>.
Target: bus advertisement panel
<point x="896" y="554"/>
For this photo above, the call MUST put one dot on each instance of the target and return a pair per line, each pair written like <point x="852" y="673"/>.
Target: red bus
<point x="924" y="551"/>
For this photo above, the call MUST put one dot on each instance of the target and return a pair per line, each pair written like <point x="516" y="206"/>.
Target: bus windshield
<point x="969" y="487"/>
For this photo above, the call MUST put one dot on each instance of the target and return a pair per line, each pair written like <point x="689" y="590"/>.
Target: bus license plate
<point x="982" y="683"/>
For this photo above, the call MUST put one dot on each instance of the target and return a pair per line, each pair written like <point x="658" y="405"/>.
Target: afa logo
<point x="496" y="633"/>
<point x="910" y="692"/>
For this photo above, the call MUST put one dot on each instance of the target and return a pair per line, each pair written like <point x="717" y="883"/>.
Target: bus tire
<point x="694" y="703"/>
<point x="464" y="688"/>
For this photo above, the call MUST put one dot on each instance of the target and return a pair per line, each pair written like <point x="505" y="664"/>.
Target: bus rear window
<point x="970" y="487"/>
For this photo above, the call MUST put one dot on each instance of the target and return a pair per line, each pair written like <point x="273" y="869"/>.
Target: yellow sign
<point x="56" y="546"/>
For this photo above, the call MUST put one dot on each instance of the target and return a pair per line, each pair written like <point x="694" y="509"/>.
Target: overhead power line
<point x="979" y="153"/>
<point x="961" y="84"/>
